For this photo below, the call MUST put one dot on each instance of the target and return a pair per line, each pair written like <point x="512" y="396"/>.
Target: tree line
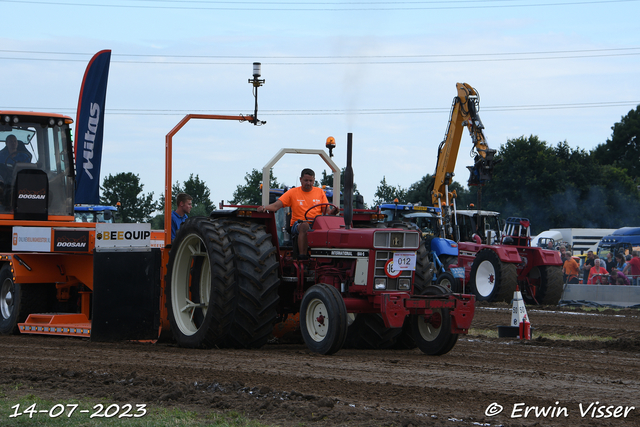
<point x="553" y="186"/>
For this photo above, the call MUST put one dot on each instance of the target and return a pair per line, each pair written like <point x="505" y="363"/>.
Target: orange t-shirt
<point x="571" y="267"/>
<point x="300" y="201"/>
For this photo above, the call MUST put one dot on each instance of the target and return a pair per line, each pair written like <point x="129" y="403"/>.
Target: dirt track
<point x="287" y="385"/>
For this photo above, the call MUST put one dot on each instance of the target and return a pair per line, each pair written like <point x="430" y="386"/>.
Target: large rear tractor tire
<point x="256" y="275"/>
<point x="424" y="269"/>
<point x="18" y="301"/>
<point x="447" y="261"/>
<point x="491" y="279"/>
<point x="433" y="335"/>
<point x="549" y="285"/>
<point x="367" y="332"/>
<point x="323" y="319"/>
<point x="405" y="340"/>
<point x="200" y="290"/>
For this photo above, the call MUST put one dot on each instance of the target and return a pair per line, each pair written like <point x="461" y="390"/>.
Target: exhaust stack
<point x="348" y="186"/>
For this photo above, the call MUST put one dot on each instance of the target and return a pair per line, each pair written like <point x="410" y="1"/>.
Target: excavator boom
<point x="464" y="113"/>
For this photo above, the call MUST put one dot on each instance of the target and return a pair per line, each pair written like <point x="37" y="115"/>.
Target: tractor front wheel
<point x="433" y="333"/>
<point x="447" y="280"/>
<point x="323" y="319"/>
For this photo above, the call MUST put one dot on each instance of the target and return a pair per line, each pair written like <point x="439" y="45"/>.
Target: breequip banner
<point x="90" y="127"/>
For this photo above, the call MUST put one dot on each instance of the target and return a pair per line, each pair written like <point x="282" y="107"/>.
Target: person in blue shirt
<point x="180" y="215"/>
<point x="10" y="155"/>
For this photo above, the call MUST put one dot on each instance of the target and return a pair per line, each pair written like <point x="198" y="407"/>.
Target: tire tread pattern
<point x="551" y="286"/>
<point x="256" y="268"/>
<point x="367" y="332"/>
<point x="220" y="312"/>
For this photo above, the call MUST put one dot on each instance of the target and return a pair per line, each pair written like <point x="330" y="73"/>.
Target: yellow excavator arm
<point x="464" y="113"/>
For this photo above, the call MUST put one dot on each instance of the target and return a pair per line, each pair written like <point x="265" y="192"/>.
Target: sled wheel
<point x="200" y="291"/>
<point x="323" y="319"/>
<point x="491" y="279"/>
<point x="18" y="300"/>
<point x="256" y="277"/>
<point x="433" y="334"/>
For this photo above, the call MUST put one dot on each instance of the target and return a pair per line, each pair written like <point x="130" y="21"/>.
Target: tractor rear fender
<point x="537" y="256"/>
<point x="506" y="253"/>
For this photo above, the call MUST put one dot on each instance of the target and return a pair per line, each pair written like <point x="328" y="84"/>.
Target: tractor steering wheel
<point x="321" y="204"/>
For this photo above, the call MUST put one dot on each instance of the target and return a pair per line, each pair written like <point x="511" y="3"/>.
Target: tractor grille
<point x="398" y="240"/>
<point x="392" y="283"/>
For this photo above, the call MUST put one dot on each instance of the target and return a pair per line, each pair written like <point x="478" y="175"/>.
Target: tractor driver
<point x="10" y="155"/>
<point x="300" y="199"/>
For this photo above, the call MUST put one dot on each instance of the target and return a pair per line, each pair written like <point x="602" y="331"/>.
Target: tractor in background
<point x="494" y="271"/>
<point x="95" y="213"/>
<point x="494" y="262"/>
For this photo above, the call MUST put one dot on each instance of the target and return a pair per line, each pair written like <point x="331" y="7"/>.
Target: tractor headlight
<point x="404" y="284"/>
<point x="380" y="283"/>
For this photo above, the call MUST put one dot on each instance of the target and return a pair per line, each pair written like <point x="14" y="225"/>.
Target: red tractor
<point x="229" y="279"/>
<point x="494" y="271"/>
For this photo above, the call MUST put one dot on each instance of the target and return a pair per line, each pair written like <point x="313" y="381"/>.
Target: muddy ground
<point x="579" y="383"/>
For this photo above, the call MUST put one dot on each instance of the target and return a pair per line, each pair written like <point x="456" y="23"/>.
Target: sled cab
<point x="36" y="166"/>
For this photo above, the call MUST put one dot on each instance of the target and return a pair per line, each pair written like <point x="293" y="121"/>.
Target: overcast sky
<point x="385" y="71"/>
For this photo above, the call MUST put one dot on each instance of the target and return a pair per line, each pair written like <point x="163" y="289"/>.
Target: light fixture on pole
<point x="256" y="82"/>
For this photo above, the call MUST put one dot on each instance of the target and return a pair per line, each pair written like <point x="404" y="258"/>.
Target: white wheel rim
<point x="427" y="330"/>
<point x="351" y="317"/>
<point x="6" y="298"/>
<point x="317" y="320"/>
<point x="183" y="307"/>
<point x="485" y="278"/>
<point x="447" y="284"/>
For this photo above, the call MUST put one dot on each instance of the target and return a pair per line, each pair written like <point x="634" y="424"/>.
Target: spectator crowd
<point x="618" y="270"/>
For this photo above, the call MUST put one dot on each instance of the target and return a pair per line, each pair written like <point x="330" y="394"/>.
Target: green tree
<point x="560" y="187"/>
<point x="202" y="204"/>
<point x="386" y="193"/>
<point x="251" y="193"/>
<point x="126" y="188"/>
<point x="420" y="192"/>
<point x="327" y="179"/>
<point x="623" y="148"/>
